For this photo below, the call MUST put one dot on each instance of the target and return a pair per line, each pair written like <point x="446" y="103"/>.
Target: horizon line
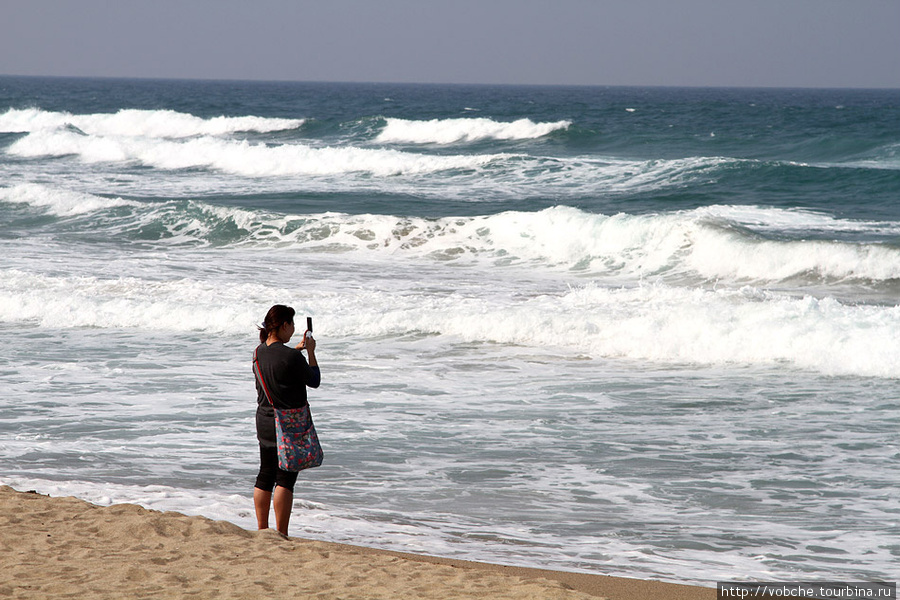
<point x="448" y="84"/>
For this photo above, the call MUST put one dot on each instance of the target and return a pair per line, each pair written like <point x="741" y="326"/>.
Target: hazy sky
<point x="783" y="43"/>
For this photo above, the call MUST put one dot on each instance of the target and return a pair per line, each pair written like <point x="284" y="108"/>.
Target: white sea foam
<point x="449" y="131"/>
<point x="793" y="220"/>
<point x="649" y="322"/>
<point x="700" y="243"/>
<point x="59" y="201"/>
<point x="586" y="176"/>
<point x="239" y="157"/>
<point x="747" y="326"/>
<point x="124" y="302"/>
<point x="140" y="123"/>
<point x="721" y="254"/>
<point x="716" y="243"/>
<point x="654" y="323"/>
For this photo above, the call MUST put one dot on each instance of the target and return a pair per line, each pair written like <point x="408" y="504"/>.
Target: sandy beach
<point x="68" y="548"/>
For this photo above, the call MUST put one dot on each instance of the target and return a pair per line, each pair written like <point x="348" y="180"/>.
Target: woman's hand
<point x="308" y="344"/>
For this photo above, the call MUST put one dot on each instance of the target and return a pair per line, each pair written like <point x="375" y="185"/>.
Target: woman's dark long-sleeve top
<point x="286" y="375"/>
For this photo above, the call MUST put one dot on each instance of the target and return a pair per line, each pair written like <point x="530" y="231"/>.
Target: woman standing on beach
<point x="286" y="375"/>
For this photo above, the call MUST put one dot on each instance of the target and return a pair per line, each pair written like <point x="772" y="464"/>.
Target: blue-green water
<point x="648" y="332"/>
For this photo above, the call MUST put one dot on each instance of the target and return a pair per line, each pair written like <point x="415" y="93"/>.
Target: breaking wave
<point x="449" y="131"/>
<point x="237" y="157"/>
<point x="140" y="123"/>
<point x="738" y="244"/>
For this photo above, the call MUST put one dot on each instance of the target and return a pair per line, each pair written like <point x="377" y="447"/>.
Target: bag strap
<point x="259" y="378"/>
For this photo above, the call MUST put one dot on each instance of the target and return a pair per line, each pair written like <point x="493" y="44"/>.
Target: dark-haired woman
<point x="286" y="374"/>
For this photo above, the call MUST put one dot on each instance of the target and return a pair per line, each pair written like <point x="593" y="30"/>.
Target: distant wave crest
<point x="238" y="157"/>
<point x="449" y="131"/>
<point x="140" y="123"/>
<point x="467" y="175"/>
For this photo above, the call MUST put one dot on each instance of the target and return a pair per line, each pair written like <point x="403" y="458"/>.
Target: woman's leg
<point x="261" y="500"/>
<point x="265" y="482"/>
<point x="283" y="501"/>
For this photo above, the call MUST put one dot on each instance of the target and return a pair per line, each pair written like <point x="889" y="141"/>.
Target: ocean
<point x="646" y="332"/>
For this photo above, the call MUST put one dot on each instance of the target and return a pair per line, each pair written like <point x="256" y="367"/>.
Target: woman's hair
<point x="277" y="316"/>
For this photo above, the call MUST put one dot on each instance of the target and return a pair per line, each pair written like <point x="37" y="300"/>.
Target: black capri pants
<point x="269" y="474"/>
